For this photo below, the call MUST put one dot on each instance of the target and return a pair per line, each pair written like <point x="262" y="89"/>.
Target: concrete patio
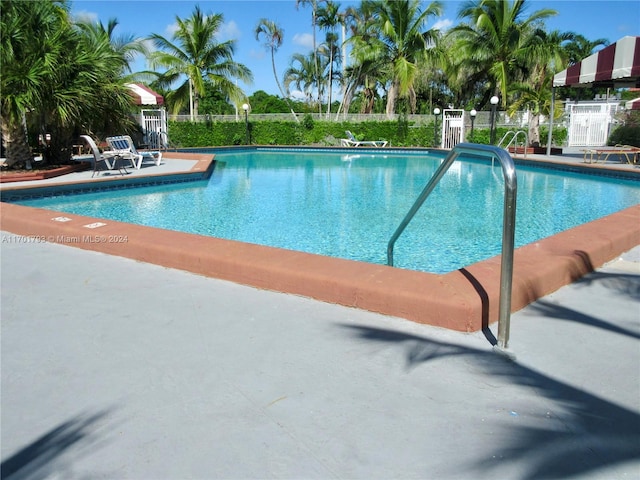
<point x="113" y="368"/>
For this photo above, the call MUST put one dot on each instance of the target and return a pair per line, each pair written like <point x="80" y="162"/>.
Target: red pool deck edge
<point x="464" y="300"/>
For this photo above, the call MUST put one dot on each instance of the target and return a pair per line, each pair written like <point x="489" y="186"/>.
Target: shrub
<point x="313" y="132"/>
<point x="626" y="135"/>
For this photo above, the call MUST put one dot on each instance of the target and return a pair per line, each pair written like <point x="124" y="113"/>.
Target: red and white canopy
<point x="633" y="104"/>
<point x="617" y="65"/>
<point x="143" y="95"/>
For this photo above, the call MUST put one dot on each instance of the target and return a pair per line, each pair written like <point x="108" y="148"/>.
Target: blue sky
<point x="593" y="19"/>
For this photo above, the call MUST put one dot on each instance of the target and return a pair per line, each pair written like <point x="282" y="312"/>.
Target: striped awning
<point x="617" y="66"/>
<point x="633" y="104"/>
<point x="143" y="95"/>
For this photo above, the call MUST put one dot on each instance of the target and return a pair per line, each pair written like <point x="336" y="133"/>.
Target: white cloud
<point x="443" y="25"/>
<point x="170" y="30"/>
<point x="297" y="95"/>
<point x="229" y="31"/>
<point x="303" y="40"/>
<point x="85" y="16"/>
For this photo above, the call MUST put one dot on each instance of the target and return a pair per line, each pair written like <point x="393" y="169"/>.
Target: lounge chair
<point x="110" y="159"/>
<point x="351" y="141"/>
<point x="601" y="154"/>
<point x="123" y="145"/>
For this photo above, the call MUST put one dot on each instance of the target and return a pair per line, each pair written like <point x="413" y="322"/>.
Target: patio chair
<point x="351" y="141"/>
<point x="123" y="145"/>
<point x="110" y="159"/>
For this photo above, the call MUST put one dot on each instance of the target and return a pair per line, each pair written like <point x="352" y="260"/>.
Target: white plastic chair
<point x="123" y="145"/>
<point x="109" y="158"/>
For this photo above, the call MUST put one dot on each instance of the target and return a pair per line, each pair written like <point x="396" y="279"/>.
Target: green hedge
<point x="625" y="135"/>
<point x="310" y="132"/>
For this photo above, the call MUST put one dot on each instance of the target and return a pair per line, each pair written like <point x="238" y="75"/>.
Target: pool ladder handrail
<point x="513" y="140"/>
<point x="508" y="223"/>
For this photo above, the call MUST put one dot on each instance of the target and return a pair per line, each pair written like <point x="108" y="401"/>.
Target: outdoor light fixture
<point x="473" y="114"/>
<point x="245" y="107"/>
<point x="436" y="112"/>
<point x="494" y="104"/>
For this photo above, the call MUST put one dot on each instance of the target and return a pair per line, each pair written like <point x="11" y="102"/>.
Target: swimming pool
<point x="347" y="205"/>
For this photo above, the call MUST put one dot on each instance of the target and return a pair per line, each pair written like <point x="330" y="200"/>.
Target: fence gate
<point x="154" y="128"/>
<point x="589" y="125"/>
<point x="452" y="128"/>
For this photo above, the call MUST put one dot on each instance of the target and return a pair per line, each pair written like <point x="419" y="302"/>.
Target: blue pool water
<point x="348" y="206"/>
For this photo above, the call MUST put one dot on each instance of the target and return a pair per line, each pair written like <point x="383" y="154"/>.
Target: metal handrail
<point x="514" y="140"/>
<point x="508" y="223"/>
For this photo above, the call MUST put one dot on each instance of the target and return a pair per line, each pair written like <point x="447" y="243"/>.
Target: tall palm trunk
<point x="330" y="81"/>
<point x="191" y="105"/>
<point x="275" y="75"/>
<point x="534" y="129"/>
<point x="315" y="54"/>
<point x="392" y="97"/>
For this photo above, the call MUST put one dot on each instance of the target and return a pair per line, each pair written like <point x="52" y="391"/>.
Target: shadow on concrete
<point x="595" y="433"/>
<point x="618" y="282"/>
<point x="552" y="310"/>
<point x="39" y="459"/>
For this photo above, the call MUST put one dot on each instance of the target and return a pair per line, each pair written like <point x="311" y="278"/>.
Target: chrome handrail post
<point x="508" y="223"/>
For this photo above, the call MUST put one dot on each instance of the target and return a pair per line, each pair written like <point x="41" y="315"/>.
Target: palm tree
<point x="314" y="11"/>
<point x="496" y="41"/>
<point x="25" y="68"/>
<point x="56" y="82"/>
<point x="328" y="18"/>
<point x="580" y="48"/>
<point x="301" y="73"/>
<point x="195" y="53"/>
<point x="273" y="40"/>
<point x="125" y="47"/>
<point x="108" y="115"/>
<point x="366" y="72"/>
<point x="402" y="44"/>
<point x="546" y="57"/>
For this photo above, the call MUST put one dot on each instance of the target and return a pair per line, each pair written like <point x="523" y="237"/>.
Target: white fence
<point x="452" y="128"/>
<point x="154" y="128"/>
<point x="590" y="123"/>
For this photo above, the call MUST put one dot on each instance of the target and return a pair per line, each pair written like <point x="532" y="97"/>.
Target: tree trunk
<point x="369" y="101"/>
<point x="275" y="75"/>
<point x="391" y="100"/>
<point x="330" y="81"/>
<point x="15" y="141"/>
<point x="534" y="130"/>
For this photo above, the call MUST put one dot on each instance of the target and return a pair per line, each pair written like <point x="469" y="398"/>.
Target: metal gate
<point x="154" y="128"/>
<point x="589" y="125"/>
<point x="452" y="128"/>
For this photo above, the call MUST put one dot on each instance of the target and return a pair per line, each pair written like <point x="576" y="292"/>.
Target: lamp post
<point x="436" y="112"/>
<point x="473" y="114"/>
<point x="494" y="104"/>
<point x="245" y="107"/>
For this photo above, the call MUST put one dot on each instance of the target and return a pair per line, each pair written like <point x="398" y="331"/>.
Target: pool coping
<point x="464" y="300"/>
